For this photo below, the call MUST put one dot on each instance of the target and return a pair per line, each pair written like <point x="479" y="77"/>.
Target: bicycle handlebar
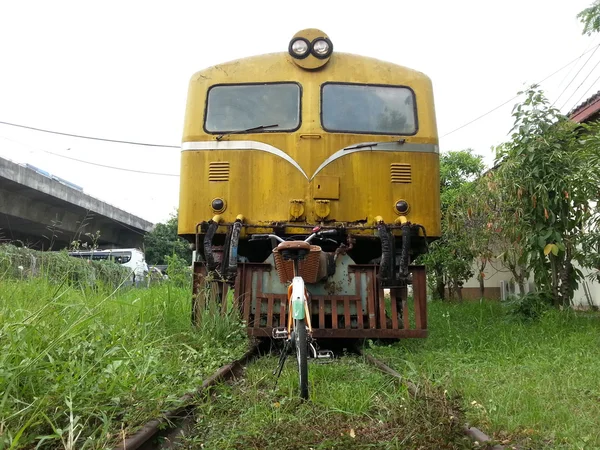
<point x="327" y="232"/>
<point x="263" y="237"/>
<point x="259" y="237"/>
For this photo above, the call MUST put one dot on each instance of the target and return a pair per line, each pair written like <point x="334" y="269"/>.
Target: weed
<point x="531" y="382"/>
<point x="178" y="271"/>
<point x="58" y="267"/>
<point x="79" y="367"/>
<point x="352" y="406"/>
<point x="530" y="307"/>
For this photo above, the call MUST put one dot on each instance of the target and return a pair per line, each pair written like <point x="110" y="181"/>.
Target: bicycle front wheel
<point x="302" y="355"/>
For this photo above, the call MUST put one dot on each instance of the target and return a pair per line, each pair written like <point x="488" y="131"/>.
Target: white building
<point x="499" y="284"/>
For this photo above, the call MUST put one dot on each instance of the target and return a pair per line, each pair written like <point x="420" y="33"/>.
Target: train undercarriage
<point x="359" y="285"/>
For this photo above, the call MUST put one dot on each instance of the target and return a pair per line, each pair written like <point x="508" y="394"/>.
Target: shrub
<point x="531" y="306"/>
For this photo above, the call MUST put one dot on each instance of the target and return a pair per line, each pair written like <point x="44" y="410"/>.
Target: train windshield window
<point x="245" y="106"/>
<point x="359" y="108"/>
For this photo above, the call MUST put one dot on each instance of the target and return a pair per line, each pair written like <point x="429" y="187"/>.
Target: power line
<point x="482" y="116"/>
<point x="517" y="96"/>
<point x="585" y="93"/>
<point x="574" y="66"/>
<point x="573" y="79"/>
<point x="112" y="167"/>
<point x="568" y="74"/>
<point x="95" y="164"/>
<point x="79" y="136"/>
<point x="580" y="84"/>
<point x="177" y="146"/>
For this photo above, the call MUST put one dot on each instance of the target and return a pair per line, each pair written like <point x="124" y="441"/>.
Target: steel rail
<point x="152" y="428"/>
<point x="474" y="433"/>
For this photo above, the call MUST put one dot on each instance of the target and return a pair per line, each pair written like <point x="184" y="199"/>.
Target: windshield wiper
<point x="374" y="144"/>
<point x="247" y="130"/>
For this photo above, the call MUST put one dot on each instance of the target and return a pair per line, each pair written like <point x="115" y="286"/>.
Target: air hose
<point x="403" y="270"/>
<point x="208" y="238"/>
<point x="233" y="250"/>
<point x="386" y="252"/>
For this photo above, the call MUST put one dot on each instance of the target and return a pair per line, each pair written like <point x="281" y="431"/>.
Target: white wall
<point x="592" y="287"/>
<point x="495" y="272"/>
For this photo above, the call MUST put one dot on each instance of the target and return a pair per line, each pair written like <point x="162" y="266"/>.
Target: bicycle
<point x="299" y="328"/>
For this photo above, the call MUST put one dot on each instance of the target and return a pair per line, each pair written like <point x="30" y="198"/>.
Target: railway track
<point x="474" y="433"/>
<point x="161" y="433"/>
<point x="170" y="422"/>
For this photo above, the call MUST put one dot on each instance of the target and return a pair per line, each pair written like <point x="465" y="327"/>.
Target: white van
<point x="131" y="258"/>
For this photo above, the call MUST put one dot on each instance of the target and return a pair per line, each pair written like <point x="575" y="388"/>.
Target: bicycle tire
<point x="302" y="356"/>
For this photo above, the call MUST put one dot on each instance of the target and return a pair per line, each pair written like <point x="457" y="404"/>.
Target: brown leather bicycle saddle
<point x="293" y="245"/>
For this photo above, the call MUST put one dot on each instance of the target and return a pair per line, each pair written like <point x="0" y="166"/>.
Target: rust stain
<point x="332" y="287"/>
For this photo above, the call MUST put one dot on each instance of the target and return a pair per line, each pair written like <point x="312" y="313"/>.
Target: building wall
<point x="588" y="292"/>
<point x="586" y="295"/>
<point x="494" y="272"/>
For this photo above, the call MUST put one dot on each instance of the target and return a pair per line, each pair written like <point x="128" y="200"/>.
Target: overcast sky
<point x="120" y="70"/>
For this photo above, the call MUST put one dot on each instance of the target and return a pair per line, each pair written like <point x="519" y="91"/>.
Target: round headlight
<point x="218" y="205"/>
<point x="322" y="48"/>
<point x="401" y="206"/>
<point x="299" y="48"/>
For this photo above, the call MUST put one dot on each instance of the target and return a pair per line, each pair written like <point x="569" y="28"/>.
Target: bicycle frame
<point x="298" y="301"/>
<point x="297" y="293"/>
<point x="299" y="327"/>
<point x="298" y="298"/>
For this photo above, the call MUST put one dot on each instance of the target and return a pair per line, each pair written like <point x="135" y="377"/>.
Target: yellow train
<point x="281" y="143"/>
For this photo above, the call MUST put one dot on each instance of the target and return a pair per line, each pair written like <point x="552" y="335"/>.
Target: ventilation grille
<point x="218" y="171"/>
<point x="400" y="173"/>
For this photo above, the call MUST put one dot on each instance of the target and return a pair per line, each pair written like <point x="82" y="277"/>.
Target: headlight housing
<point x="310" y="49"/>
<point x="299" y="48"/>
<point x="322" y="48"/>
<point x="401" y="207"/>
<point x="218" y="205"/>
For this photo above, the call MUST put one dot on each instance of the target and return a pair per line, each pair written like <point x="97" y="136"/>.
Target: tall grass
<point x="80" y="367"/>
<point x="535" y="382"/>
<point x="352" y="406"/>
<point x="22" y="263"/>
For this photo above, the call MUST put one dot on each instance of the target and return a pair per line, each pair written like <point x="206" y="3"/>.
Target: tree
<point x="548" y="177"/>
<point x="590" y="18"/>
<point x="491" y="229"/>
<point x="163" y="242"/>
<point x="450" y="258"/>
<point x="470" y="216"/>
<point x="508" y="241"/>
<point x="457" y="168"/>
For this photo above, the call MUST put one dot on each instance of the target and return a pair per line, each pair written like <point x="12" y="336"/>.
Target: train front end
<point x="286" y="142"/>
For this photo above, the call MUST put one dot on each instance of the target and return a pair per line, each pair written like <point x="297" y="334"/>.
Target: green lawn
<point x="537" y="383"/>
<point x="352" y="406"/>
<point x="81" y="367"/>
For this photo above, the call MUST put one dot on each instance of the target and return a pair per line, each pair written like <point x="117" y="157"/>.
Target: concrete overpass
<point x="43" y="212"/>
